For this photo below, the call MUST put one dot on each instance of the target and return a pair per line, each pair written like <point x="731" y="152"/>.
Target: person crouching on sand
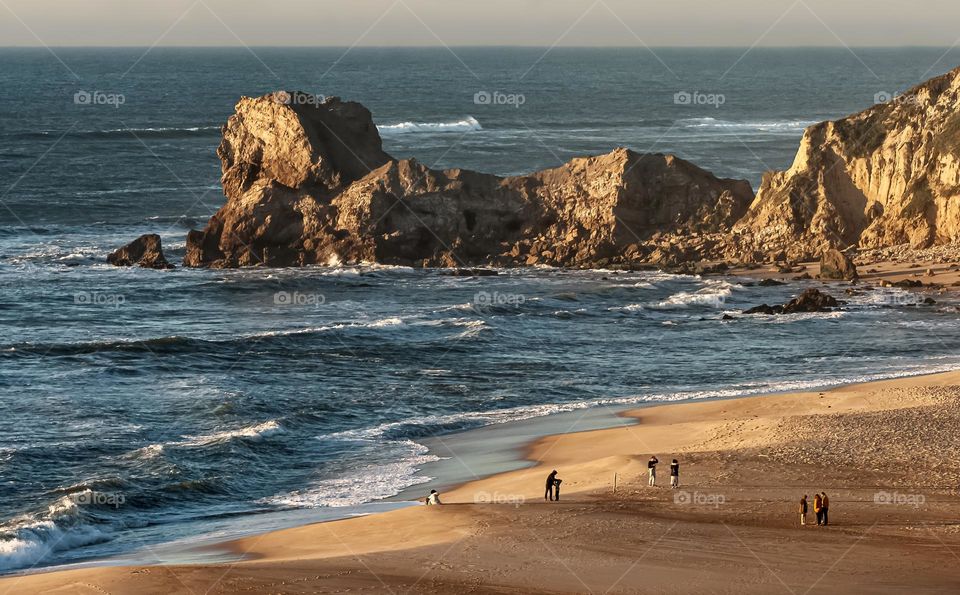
<point x="818" y="508"/>
<point x="433" y="499"/>
<point x="674" y="474"/>
<point x="825" y="507"/>
<point x="803" y="510"/>
<point x="551" y="484"/>
<point x="652" y="471"/>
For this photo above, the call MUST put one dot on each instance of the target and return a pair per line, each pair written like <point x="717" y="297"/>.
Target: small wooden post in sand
<point x="614" y="483"/>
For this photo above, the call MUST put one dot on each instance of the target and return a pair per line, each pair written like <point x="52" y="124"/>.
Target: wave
<point x="801" y="316"/>
<point x="382" y="323"/>
<point x="887" y="297"/>
<point x="30" y="539"/>
<point x="366" y="484"/>
<point x="131" y="133"/>
<point x="254" y="432"/>
<point x="179" y="343"/>
<point x="761" y="125"/>
<point x="432" y="425"/>
<point x="150" y="190"/>
<point x="184" y="344"/>
<point x="151" y="451"/>
<point x="713" y="295"/>
<point x="468" y="124"/>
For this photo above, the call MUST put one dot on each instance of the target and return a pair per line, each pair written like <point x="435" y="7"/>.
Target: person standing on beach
<point x="818" y="508"/>
<point x="674" y="474"/>
<point x="652" y="471"/>
<point x="803" y="510"/>
<point x="825" y="507"/>
<point x="551" y="484"/>
<point x="556" y="488"/>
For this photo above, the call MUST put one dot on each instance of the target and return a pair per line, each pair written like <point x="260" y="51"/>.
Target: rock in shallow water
<point x="145" y="251"/>
<point x="811" y="300"/>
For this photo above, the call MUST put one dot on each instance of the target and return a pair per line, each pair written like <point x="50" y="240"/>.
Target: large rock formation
<point x="309" y="183"/>
<point x="889" y="175"/>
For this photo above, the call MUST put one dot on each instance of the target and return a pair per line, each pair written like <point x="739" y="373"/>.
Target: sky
<point x="739" y="23"/>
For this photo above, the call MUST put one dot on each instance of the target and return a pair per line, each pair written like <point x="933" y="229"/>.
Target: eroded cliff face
<point x="886" y="176"/>
<point x="309" y="183"/>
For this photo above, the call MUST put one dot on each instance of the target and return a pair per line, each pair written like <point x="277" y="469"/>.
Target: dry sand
<point x="887" y="453"/>
<point x="934" y="274"/>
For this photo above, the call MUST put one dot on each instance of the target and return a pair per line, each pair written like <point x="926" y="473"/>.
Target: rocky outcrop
<point x="834" y="264"/>
<point x="145" y="251"/>
<point x="308" y="182"/>
<point x="886" y="176"/>
<point x="811" y="300"/>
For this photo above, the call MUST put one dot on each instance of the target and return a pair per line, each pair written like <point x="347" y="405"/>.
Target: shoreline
<point x="587" y="460"/>
<point x="512" y="449"/>
<point x="619" y="415"/>
<point x="515" y="459"/>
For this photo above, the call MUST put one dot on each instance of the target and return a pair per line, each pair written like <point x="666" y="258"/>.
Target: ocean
<point x="140" y="406"/>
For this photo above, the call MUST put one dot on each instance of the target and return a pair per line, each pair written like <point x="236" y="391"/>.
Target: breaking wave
<point x="468" y="124"/>
<point x="367" y="484"/>
<point x="255" y="432"/>
<point x="757" y="125"/>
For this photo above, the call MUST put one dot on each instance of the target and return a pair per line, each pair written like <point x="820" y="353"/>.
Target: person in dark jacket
<point x="825" y="507"/>
<point x="556" y="488"/>
<point x="652" y="471"/>
<point x="551" y="484"/>
<point x="674" y="474"/>
<point x="803" y="510"/>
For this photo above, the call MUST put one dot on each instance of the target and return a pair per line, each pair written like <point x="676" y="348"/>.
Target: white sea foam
<point x="255" y="432"/>
<point x="381" y="323"/>
<point x="521" y="413"/>
<point x="801" y="316"/>
<point x="761" y="125"/>
<point x="887" y="297"/>
<point x="164" y="129"/>
<point x="151" y="451"/>
<point x="34" y="543"/>
<point x="373" y="482"/>
<point x="28" y="541"/>
<point x="140" y="190"/>
<point x="714" y="295"/>
<point x="467" y="124"/>
<point x="385" y="322"/>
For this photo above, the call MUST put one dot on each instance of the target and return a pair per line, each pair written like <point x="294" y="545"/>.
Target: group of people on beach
<point x="821" y="508"/>
<point x="652" y="472"/>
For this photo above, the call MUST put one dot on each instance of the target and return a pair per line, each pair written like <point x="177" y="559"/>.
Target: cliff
<point x="886" y="176"/>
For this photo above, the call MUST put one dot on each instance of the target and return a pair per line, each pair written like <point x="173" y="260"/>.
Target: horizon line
<point x="484" y="46"/>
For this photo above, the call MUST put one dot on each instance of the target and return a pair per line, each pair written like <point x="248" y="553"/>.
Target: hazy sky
<point x="479" y="22"/>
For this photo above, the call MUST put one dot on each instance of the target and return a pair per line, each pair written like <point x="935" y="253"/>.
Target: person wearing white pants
<point x="652" y="471"/>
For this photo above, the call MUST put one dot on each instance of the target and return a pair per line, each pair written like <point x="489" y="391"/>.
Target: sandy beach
<point x="886" y="453"/>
